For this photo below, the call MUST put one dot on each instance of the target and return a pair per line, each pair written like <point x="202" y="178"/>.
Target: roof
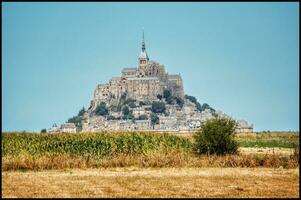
<point x="129" y="69"/>
<point x="174" y="76"/>
<point x="142" y="78"/>
<point x="68" y="125"/>
<point x="116" y="78"/>
<point x="143" y="54"/>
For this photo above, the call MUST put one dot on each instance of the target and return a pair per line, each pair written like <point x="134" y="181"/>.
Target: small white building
<point x="68" y="128"/>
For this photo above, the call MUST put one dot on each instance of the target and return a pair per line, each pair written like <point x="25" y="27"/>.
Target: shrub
<point x="77" y="120"/>
<point x="166" y="94"/>
<point x="216" y="136"/>
<point x="159" y="96"/>
<point x="179" y="101"/>
<point x="170" y="100"/>
<point x="154" y="119"/>
<point x="191" y="98"/>
<point x="194" y="100"/>
<point x="142" y="117"/>
<point x="101" y="109"/>
<point x="81" y="112"/>
<point x="206" y="106"/>
<point x="130" y="102"/>
<point x="43" y="130"/>
<point x="125" y="110"/>
<point x="110" y="117"/>
<point x="158" y="107"/>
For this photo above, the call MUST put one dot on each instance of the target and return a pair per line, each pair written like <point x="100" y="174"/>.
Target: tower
<point x="143" y="58"/>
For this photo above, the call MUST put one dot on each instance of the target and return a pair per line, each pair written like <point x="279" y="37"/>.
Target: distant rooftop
<point x="143" y="78"/>
<point x="68" y="125"/>
<point x="129" y="69"/>
<point x="174" y="76"/>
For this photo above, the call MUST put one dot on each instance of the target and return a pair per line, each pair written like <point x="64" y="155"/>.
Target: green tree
<point x="159" y="96"/>
<point x="142" y="117"/>
<point x="77" y="120"/>
<point x="158" y="107"/>
<point x="43" y="130"/>
<point x="170" y="100"/>
<point x="81" y="112"/>
<point x="141" y="103"/>
<point x="179" y="101"/>
<point x="102" y="109"/>
<point x="206" y="106"/>
<point x="125" y="110"/>
<point x="154" y="119"/>
<point x="198" y="106"/>
<point x="216" y="136"/>
<point x="110" y="117"/>
<point x="131" y="117"/>
<point x="166" y="93"/>
<point x="191" y="98"/>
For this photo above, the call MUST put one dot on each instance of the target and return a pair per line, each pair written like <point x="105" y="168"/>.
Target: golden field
<point x="147" y="165"/>
<point x="153" y="182"/>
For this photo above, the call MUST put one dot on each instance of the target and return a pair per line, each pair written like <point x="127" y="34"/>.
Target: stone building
<point x="243" y="127"/>
<point x="68" y="128"/>
<point x="141" y="83"/>
<point x="54" y="129"/>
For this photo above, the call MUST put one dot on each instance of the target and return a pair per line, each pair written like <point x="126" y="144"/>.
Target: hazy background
<point x="241" y="58"/>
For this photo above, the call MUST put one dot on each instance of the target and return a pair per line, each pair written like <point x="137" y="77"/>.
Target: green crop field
<point x="82" y="150"/>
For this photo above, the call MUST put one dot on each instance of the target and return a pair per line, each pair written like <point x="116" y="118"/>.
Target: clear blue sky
<point x="241" y="58"/>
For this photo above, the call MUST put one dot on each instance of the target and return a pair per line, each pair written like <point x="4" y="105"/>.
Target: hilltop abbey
<point x="145" y="98"/>
<point x="142" y="83"/>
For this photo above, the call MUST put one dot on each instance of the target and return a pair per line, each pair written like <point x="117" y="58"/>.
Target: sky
<point x="240" y="58"/>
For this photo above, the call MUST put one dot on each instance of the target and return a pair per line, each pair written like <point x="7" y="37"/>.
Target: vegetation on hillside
<point x="78" y="119"/>
<point x="101" y="109"/>
<point x="198" y="105"/>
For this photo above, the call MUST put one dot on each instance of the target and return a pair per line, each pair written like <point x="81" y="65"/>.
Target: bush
<point x="170" y="100"/>
<point x="179" y="101"/>
<point x="43" y="130"/>
<point x="142" y="117"/>
<point x="110" y="117"/>
<point x="154" y="119"/>
<point x="101" y="109"/>
<point x="81" y="112"/>
<point x="194" y="100"/>
<point x="191" y="98"/>
<point x="206" y="106"/>
<point x="158" y="107"/>
<point x="166" y="93"/>
<point x="77" y="120"/>
<point x="216" y="136"/>
<point x="125" y="110"/>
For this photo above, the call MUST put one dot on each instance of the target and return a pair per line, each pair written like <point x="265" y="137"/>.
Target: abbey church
<point x="142" y="83"/>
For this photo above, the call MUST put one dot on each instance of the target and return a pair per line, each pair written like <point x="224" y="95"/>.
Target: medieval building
<point x="142" y="83"/>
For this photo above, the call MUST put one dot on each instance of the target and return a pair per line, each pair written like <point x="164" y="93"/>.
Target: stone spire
<point x="143" y="54"/>
<point x="143" y="43"/>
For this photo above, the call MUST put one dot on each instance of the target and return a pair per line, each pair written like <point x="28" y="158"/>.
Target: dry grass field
<point x="153" y="182"/>
<point x="145" y="165"/>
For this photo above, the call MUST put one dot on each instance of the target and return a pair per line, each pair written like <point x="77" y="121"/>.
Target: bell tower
<point x="143" y="58"/>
